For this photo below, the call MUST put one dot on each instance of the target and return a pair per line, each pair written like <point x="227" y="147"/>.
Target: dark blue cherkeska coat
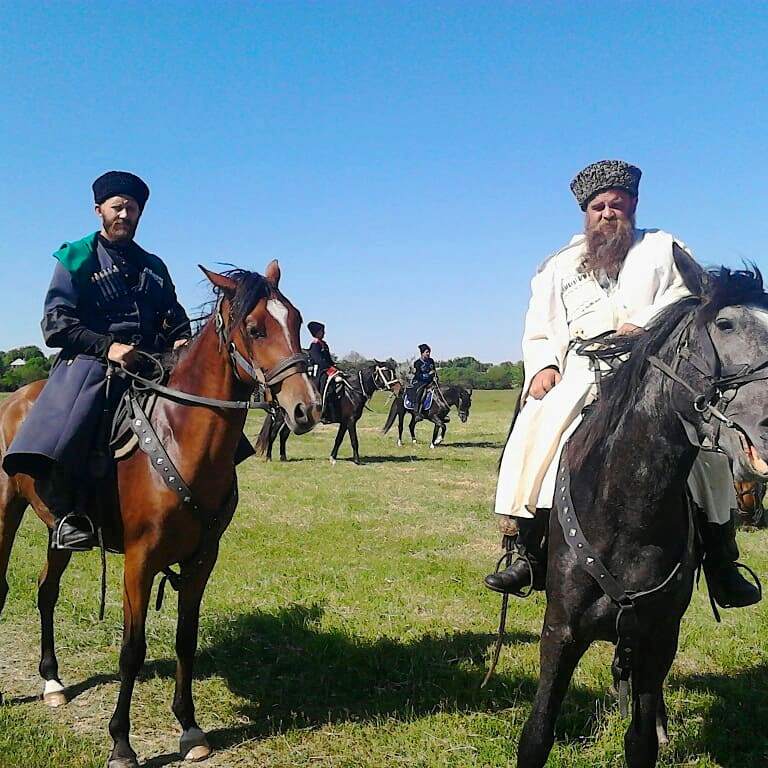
<point x="97" y="296"/>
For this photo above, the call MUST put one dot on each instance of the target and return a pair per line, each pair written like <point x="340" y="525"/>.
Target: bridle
<point x="383" y="383"/>
<point x="720" y="385"/>
<point x="269" y="378"/>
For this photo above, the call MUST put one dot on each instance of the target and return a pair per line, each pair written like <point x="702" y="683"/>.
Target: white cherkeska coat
<point x="567" y="304"/>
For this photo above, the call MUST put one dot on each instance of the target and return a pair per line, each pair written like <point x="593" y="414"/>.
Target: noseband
<point x="383" y="383"/>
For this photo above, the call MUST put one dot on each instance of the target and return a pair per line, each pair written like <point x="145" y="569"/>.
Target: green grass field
<point x="345" y="625"/>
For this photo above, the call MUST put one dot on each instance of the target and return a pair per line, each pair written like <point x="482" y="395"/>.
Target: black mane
<point x="721" y="288"/>
<point x="251" y="289"/>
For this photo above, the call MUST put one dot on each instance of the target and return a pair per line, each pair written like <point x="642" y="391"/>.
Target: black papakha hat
<point x="606" y="174"/>
<point x="314" y="327"/>
<point x="114" y="183"/>
<point x="424" y="347"/>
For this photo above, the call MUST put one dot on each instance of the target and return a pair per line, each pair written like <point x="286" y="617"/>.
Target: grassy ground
<point x="345" y="625"/>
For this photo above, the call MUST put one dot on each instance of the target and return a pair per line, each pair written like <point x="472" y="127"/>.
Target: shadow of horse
<point x="290" y="674"/>
<point x="475" y="444"/>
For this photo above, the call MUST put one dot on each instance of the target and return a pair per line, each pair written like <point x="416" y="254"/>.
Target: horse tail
<point x="392" y="416"/>
<point x="263" y="440"/>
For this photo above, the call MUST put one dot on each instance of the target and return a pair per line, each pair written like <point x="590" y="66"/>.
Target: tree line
<point x="466" y="371"/>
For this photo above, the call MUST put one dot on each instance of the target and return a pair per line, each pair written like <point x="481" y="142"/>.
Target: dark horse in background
<point x="698" y="373"/>
<point x="443" y="398"/>
<point x="252" y="335"/>
<point x="347" y="410"/>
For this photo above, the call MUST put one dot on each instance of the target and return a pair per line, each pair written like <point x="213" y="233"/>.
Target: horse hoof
<point x="193" y="746"/>
<point x="53" y="694"/>
<point x="431" y="445"/>
<point x="332" y="460"/>
<point x="399" y="443"/>
<point x="122" y="762"/>
<point x="662" y="736"/>
<point x="413" y="441"/>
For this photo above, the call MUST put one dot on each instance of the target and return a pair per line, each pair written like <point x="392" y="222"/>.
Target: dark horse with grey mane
<point x="171" y="497"/>
<point x="622" y="552"/>
<point x="356" y="391"/>
<point x="440" y="404"/>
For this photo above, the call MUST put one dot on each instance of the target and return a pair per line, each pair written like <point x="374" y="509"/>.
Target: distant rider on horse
<point x="612" y="278"/>
<point x="424" y="375"/>
<point x="108" y="297"/>
<point x="322" y="367"/>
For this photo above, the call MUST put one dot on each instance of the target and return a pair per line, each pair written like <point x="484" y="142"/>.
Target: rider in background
<point x="322" y="363"/>
<point x="424" y="375"/>
<point x="107" y="298"/>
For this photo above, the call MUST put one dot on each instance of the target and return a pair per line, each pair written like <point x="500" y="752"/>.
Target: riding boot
<point x="72" y="529"/>
<point x="530" y="569"/>
<point x="728" y="588"/>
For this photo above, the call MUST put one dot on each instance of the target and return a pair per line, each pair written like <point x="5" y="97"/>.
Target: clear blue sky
<point x="407" y="163"/>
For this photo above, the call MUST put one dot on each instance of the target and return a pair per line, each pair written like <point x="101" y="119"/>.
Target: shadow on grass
<point x="733" y="731"/>
<point x="475" y="444"/>
<point x="292" y="674"/>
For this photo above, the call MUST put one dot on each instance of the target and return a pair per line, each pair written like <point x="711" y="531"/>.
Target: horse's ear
<point x="222" y="282"/>
<point x="272" y="273"/>
<point x="693" y="274"/>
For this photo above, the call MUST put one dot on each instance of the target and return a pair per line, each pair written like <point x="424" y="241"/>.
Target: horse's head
<point x="385" y="377"/>
<point x="260" y="328"/>
<point x="465" y="403"/>
<point x="724" y="351"/>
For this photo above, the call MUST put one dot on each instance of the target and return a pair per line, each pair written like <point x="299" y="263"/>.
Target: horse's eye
<point x="255" y="332"/>
<point x="723" y="324"/>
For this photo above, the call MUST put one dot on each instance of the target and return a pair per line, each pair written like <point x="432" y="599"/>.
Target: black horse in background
<point x="443" y="398"/>
<point x="698" y="375"/>
<point x="357" y="390"/>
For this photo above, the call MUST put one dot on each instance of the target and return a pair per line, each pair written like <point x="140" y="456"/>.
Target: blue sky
<point x="407" y="163"/>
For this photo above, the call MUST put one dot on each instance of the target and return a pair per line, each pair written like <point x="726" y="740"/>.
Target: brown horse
<point x="253" y="334"/>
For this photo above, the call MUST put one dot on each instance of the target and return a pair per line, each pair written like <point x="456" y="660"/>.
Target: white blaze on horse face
<point x="279" y="311"/>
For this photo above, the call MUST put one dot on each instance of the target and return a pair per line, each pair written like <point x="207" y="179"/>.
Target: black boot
<point x="530" y="544"/>
<point x="72" y="530"/>
<point x="728" y="588"/>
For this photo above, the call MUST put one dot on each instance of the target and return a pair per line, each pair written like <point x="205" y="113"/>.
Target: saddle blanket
<point x="410" y="396"/>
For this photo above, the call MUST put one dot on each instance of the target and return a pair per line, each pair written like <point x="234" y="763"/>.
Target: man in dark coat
<point x="322" y="366"/>
<point x="107" y="298"/>
<point x="424" y="374"/>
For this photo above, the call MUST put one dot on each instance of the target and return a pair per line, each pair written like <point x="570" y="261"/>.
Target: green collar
<point x="74" y="256"/>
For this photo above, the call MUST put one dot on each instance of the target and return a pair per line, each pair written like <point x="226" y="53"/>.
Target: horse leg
<point x="337" y="442"/>
<point x="47" y="597"/>
<point x="355" y="445"/>
<point x="435" y="441"/>
<point x="137" y="584"/>
<point x="11" y="511"/>
<point x="654" y="659"/>
<point x="284" y="433"/>
<point x="193" y="744"/>
<point x="412" y="427"/>
<point x="400" y="422"/>
<point x="560" y="653"/>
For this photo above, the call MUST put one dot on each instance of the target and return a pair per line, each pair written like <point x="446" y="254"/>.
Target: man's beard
<point x="121" y="231"/>
<point x="608" y="243"/>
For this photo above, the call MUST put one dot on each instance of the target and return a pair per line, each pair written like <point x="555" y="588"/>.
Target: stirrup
<point x="56" y="542"/>
<point x="508" y="557"/>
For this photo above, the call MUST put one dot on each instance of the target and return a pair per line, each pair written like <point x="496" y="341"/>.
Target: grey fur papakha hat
<point x="606" y="174"/>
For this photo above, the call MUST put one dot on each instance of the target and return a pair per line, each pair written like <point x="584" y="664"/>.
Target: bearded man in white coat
<point x="613" y="277"/>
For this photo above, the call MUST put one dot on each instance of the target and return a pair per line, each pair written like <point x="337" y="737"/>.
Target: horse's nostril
<point x="300" y="413"/>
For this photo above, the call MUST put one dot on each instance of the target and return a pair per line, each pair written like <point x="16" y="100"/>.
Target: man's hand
<point x="627" y="329"/>
<point x="543" y="382"/>
<point x="180" y="343"/>
<point x="122" y="354"/>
